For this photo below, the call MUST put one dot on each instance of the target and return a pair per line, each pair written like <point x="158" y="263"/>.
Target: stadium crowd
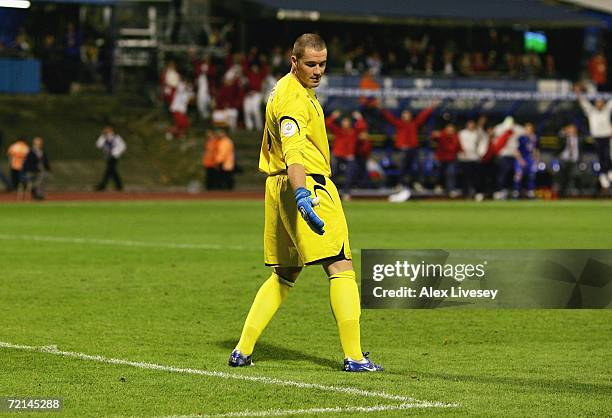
<point x="229" y="90"/>
<point x="74" y="53"/>
<point x="475" y="160"/>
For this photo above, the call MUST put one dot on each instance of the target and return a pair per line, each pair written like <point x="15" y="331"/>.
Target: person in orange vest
<point x="209" y="161"/>
<point x="17" y="154"/>
<point x="368" y="82"/>
<point x="225" y="160"/>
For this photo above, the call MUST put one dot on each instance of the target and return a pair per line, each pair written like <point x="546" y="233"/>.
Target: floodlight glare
<point x="16" y="4"/>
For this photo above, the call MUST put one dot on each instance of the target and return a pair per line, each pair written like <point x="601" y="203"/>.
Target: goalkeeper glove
<point x="304" y="205"/>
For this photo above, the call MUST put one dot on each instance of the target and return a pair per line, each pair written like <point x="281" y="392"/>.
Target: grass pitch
<point x="170" y="283"/>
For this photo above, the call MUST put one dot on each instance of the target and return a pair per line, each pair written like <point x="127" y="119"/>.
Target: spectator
<point x="598" y="69"/>
<point x="446" y="154"/>
<point x="178" y="108"/>
<point x="277" y="60"/>
<point x="429" y="64"/>
<point x="601" y="131"/>
<point x="525" y="165"/>
<point x="17" y="154"/>
<point x="169" y="81"/>
<point x="229" y="100"/>
<point x="268" y="85"/>
<point x="209" y="161"/>
<point x="355" y="62"/>
<point x="479" y="64"/>
<point x="465" y="65"/>
<point x="90" y="60"/>
<point x="72" y="52"/>
<point x="234" y="63"/>
<point x="253" y="100"/>
<point x="392" y="64"/>
<point x="507" y="150"/>
<point x="449" y="69"/>
<point x="113" y="147"/>
<point x="53" y="75"/>
<point x="207" y="67"/>
<point x="368" y="82"/>
<point x="511" y="64"/>
<point x="203" y="95"/>
<point x="531" y="65"/>
<point x="22" y="42"/>
<point x="469" y="158"/>
<point x="225" y="160"/>
<point x="36" y="168"/>
<point x="569" y="159"/>
<point x="374" y="63"/>
<point x="407" y="141"/>
<point x="415" y="50"/>
<point x="344" y="148"/>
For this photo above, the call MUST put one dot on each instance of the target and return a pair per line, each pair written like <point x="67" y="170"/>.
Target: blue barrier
<point x="454" y="83"/>
<point x="19" y="75"/>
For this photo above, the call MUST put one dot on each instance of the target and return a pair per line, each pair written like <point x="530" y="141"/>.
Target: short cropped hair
<point x="307" y="40"/>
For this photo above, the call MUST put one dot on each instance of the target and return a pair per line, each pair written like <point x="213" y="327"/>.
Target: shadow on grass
<point x="538" y="383"/>
<point x="267" y="351"/>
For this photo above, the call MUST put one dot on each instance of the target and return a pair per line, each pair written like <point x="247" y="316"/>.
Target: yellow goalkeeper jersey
<point x="294" y="132"/>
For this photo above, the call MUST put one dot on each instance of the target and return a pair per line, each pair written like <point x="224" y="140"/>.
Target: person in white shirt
<point x="203" y="97"/>
<point x="113" y="147"/>
<point x="507" y="155"/>
<point x="469" y="158"/>
<point x="169" y="81"/>
<point x="252" y="103"/>
<point x="601" y="131"/>
<point x="178" y="108"/>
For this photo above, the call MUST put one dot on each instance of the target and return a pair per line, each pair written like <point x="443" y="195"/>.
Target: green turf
<point x="127" y="291"/>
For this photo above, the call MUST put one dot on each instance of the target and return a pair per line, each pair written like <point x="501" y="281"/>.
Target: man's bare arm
<point x="297" y="176"/>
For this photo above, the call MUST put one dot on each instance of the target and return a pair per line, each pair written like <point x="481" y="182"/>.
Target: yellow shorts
<point x="288" y="240"/>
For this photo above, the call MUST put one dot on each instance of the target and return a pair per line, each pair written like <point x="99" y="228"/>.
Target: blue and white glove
<point x="305" y="206"/>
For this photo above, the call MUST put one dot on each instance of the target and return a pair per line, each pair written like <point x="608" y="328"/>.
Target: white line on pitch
<point x="130" y="243"/>
<point x="123" y="243"/>
<point x="331" y="410"/>
<point x="261" y="379"/>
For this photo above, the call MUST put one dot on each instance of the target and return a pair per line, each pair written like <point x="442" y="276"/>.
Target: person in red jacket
<point x="407" y="140"/>
<point x="344" y="148"/>
<point x="255" y="76"/>
<point x="488" y="164"/>
<point x="446" y="154"/>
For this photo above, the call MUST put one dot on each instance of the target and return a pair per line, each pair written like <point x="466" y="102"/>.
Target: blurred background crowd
<point x="208" y="67"/>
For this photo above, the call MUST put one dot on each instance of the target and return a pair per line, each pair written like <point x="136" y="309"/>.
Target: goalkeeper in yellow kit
<point x="295" y="156"/>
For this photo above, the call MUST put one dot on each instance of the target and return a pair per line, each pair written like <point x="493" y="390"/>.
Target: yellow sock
<point x="344" y="298"/>
<point x="269" y="298"/>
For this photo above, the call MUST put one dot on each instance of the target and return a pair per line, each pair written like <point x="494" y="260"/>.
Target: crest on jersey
<point x="288" y="128"/>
